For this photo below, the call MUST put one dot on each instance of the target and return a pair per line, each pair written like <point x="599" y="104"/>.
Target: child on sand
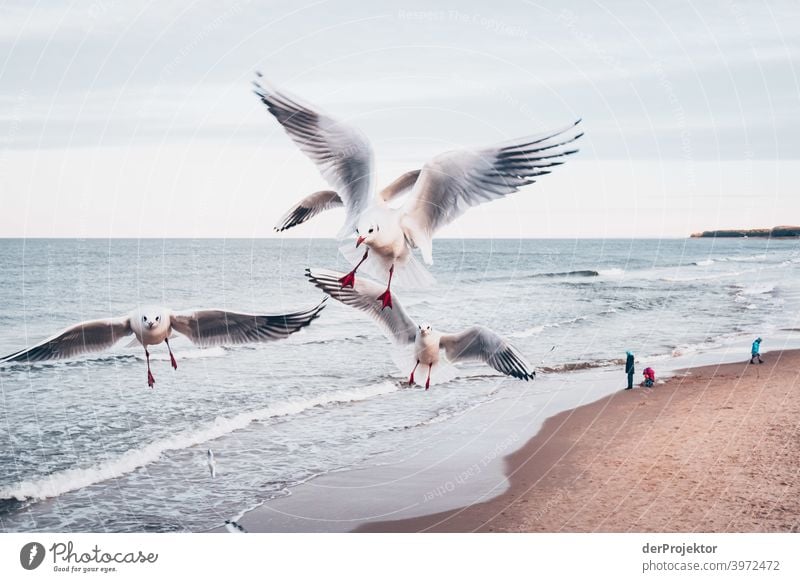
<point x="649" y="377"/>
<point x="754" y="351"/>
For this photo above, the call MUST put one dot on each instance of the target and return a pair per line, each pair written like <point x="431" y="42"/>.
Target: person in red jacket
<point x="649" y="377"/>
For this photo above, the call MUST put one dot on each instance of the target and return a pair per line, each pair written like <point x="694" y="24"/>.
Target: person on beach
<point x="649" y="377"/>
<point x="754" y="351"/>
<point x="629" y="369"/>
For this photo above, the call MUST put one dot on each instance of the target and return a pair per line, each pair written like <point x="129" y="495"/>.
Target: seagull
<point x="445" y="187"/>
<point x="234" y="527"/>
<point x="153" y="325"/>
<point x="212" y="466"/>
<point x="474" y="343"/>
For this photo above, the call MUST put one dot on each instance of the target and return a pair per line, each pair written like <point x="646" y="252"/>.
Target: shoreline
<point x="713" y="448"/>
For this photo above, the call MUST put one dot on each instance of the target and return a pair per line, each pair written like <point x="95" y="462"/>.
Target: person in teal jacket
<point x="755" y="351"/>
<point x="629" y="369"/>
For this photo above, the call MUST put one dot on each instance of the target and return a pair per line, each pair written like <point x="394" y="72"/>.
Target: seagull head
<point x="368" y="230"/>
<point x="367" y="235"/>
<point x="153" y="318"/>
<point x="425" y="329"/>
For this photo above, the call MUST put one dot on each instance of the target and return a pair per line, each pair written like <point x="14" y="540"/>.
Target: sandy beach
<point x="713" y="449"/>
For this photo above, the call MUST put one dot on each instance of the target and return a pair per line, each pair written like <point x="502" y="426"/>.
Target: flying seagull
<point x="474" y="343"/>
<point x="153" y="325"/>
<point x="212" y="466"/>
<point x="234" y="527"/>
<point x="445" y="188"/>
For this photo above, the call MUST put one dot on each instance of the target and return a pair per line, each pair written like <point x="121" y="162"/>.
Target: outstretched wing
<point x="86" y="337"/>
<point x="394" y="322"/>
<point x="454" y="181"/>
<point x="213" y="327"/>
<point x="342" y="154"/>
<point x="399" y="186"/>
<point x="481" y="343"/>
<point x="308" y="208"/>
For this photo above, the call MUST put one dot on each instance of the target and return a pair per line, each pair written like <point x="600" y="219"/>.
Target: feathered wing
<point x="399" y="186"/>
<point x="308" y="208"/>
<point x="213" y="327"/>
<point x="395" y="323"/>
<point x="481" y="343"/>
<point x="454" y="181"/>
<point x="342" y="154"/>
<point x="86" y="337"/>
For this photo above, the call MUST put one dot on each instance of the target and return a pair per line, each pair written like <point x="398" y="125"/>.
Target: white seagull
<point x="153" y="325"/>
<point x="475" y="343"/>
<point x="234" y="527"/>
<point x="212" y="466"/>
<point x="445" y="188"/>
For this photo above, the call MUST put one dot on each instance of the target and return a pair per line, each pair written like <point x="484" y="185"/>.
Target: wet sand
<point x="713" y="449"/>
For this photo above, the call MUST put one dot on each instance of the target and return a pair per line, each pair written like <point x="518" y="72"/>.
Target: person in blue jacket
<point x="755" y="351"/>
<point x="629" y="369"/>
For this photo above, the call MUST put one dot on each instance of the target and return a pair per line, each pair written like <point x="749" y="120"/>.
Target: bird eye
<point x="158" y="318"/>
<point x="369" y="231"/>
<point x="144" y="318"/>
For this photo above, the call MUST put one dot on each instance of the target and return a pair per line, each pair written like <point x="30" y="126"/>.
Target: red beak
<point x="360" y="240"/>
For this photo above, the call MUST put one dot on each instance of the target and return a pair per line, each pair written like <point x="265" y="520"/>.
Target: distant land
<point x="776" y="232"/>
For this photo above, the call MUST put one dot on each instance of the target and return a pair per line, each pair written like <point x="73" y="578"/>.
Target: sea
<point x="85" y="445"/>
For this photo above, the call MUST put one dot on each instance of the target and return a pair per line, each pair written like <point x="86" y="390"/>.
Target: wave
<point x="712" y="277"/>
<point x="573" y="366"/>
<point x="704" y="263"/>
<point x="744" y="258"/>
<point x="537" y="329"/>
<point x="709" y="344"/>
<point x="72" y="479"/>
<point x="579" y="273"/>
<point x="761" y="289"/>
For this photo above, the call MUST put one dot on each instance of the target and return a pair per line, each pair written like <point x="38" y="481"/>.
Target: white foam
<point x="758" y="289"/>
<point x="704" y="263"/>
<point x="613" y="272"/>
<point x="530" y="331"/>
<point x="73" y="479"/>
<point x="537" y="329"/>
<point x="743" y="258"/>
<point x="711" y="277"/>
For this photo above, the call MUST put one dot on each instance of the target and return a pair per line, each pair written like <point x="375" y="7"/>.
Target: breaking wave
<point x="72" y="479"/>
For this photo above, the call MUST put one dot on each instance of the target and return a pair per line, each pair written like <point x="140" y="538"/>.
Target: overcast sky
<point x="137" y="119"/>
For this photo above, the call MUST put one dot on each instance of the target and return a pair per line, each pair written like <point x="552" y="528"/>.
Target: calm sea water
<point x="86" y="446"/>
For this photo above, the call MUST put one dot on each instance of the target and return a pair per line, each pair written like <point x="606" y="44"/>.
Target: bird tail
<point x="413" y="274"/>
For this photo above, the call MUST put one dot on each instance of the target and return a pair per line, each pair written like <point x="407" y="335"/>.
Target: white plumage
<point x="154" y="325"/>
<point x="474" y="343"/>
<point x="445" y="188"/>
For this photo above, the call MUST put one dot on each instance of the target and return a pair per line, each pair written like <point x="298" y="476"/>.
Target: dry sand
<point x="714" y="449"/>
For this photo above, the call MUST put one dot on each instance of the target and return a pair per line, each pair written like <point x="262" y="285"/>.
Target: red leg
<point x="428" y="381"/>
<point x="171" y="356"/>
<point x="350" y="279"/>
<point x="386" y="296"/>
<point x="411" y="378"/>
<point x="150" y="380"/>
